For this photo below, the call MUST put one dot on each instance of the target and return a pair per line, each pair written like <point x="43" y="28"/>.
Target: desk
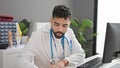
<point x="110" y="65"/>
<point x="9" y="56"/>
<point x="106" y="65"/>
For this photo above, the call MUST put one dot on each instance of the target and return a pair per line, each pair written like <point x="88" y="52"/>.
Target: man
<point x="54" y="46"/>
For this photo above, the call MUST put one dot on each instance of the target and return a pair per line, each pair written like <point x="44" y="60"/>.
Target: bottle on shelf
<point x="10" y="38"/>
<point x="18" y="34"/>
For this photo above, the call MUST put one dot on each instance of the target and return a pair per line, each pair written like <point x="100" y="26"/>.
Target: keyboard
<point x="94" y="63"/>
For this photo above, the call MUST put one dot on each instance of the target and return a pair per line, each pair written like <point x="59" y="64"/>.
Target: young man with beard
<point x="53" y="46"/>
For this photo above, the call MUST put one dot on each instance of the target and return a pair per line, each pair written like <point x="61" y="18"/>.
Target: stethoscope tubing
<point x="62" y="42"/>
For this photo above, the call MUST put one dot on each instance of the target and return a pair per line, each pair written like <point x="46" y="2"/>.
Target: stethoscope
<point x="52" y="61"/>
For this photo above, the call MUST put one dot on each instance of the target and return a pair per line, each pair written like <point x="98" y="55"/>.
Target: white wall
<point x="41" y="10"/>
<point x="108" y="11"/>
<point x="33" y="10"/>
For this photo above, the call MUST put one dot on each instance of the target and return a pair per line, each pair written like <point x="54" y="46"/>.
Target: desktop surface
<point x="114" y="64"/>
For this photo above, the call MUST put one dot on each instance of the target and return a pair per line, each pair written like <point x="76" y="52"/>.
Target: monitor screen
<point x="112" y="42"/>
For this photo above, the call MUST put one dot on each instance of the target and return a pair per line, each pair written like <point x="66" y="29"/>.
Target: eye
<point x="65" y="25"/>
<point x="56" y="24"/>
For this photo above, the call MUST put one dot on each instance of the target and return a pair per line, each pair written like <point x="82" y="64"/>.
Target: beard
<point x="58" y="34"/>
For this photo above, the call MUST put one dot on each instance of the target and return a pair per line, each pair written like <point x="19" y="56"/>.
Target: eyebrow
<point x="56" y="23"/>
<point x="65" y="24"/>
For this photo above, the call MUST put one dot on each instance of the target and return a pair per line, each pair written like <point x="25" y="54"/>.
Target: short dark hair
<point x="61" y="11"/>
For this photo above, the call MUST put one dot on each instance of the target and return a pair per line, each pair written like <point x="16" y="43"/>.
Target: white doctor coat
<point x="37" y="53"/>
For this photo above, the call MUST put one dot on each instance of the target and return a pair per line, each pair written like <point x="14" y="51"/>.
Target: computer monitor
<point x="112" y="42"/>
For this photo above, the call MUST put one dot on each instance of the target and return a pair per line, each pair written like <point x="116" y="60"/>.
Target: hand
<point x="59" y="64"/>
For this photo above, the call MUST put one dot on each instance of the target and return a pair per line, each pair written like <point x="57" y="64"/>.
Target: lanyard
<point x="62" y="42"/>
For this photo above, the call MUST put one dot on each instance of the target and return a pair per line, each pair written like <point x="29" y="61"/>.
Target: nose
<point x="60" y="28"/>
